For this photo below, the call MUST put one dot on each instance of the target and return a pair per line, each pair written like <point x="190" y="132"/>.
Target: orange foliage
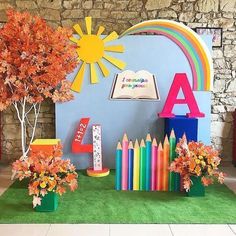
<point x="197" y="159"/>
<point x="47" y="172"/>
<point x="34" y="60"/>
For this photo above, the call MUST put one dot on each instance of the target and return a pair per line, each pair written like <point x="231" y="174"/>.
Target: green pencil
<point x="172" y="175"/>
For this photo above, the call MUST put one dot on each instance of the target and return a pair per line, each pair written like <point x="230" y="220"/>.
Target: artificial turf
<point x="96" y="201"/>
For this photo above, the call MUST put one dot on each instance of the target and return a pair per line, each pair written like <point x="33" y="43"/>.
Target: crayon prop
<point x="154" y="166"/>
<point x="130" y="166"/>
<point x="124" y="185"/>
<point x="118" y="166"/>
<point x="148" y="162"/>
<point x="160" y="167"/>
<point x="142" y="176"/>
<point x="136" y="166"/>
<point x="172" y="157"/>
<point x="166" y="151"/>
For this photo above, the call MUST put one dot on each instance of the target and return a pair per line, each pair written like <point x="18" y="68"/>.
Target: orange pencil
<point x="160" y="167"/>
<point x="166" y="154"/>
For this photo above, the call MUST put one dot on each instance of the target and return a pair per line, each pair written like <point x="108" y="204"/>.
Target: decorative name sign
<point x="137" y="86"/>
<point x="97" y="147"/>
<point x="77" y="146"/>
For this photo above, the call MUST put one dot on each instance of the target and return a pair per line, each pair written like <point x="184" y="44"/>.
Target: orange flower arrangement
<point x="47" y="172"/>
<point x="196" y="159"/>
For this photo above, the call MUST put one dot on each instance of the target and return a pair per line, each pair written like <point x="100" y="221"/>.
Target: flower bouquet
<point x="195" y="163"/>
<point x="48" y="174"/>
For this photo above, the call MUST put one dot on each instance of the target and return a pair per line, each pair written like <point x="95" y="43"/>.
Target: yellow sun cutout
<point x="91" y="50"/>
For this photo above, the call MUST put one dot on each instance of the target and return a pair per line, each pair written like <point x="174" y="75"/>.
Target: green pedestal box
<point x="48" y="203"/>
<point x="197" y="189"/>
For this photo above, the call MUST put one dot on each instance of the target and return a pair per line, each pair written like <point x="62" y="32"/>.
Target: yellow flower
<point x="203" y="163"/>
<point x="197" y="161"/>
<point x="43" y="184"/>
<point x="41" y="175"/>
<point x="198" y="170"/>
<point x="209" y="169"/>
<point x="200" y="157"/>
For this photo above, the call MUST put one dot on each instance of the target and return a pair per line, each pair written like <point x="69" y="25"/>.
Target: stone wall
<point x="121" y="14"/>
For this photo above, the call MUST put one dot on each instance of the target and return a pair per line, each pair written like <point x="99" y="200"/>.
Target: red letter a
<point x="181" y="82"/>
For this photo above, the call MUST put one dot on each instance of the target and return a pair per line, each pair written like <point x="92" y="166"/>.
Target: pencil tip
<point x="184" y="136"/>
<point x="142" y="143"/>
<point x="136" y="145"/>
<point x="119" y="145"/>
<point x="148" y="138"/>
<point x="154" y="142"/>
<point x="172" y="133"/>
<point x="125" y="137"/>
<point x="130" y="144"/>
<point x="160" y="146"/>
<point x="166" y="141"/>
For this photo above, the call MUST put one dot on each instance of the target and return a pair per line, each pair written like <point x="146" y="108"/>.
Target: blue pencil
<point x="131" y="165"/>
<point x="118" y="166"/>
<point x="148" y="162"/>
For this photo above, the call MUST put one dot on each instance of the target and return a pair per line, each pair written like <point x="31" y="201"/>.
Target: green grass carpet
<point x="96" y="202"/>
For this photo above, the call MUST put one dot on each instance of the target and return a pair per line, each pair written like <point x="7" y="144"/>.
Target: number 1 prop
<point x="97" y="147"/>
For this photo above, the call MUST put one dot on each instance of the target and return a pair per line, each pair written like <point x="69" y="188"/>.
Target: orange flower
<point x="206" y="181"/>
<point x="60" y="190"/>
<point x="192" y="165"/>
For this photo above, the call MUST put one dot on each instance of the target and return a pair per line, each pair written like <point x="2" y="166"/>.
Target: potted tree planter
<point x="49" y="176"/>
<point x="197" y="189"/>
<point x="198" y="165"/>
<point x="48" y="203"/>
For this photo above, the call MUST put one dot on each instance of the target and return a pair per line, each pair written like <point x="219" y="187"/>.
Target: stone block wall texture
<point x="119" y="15"/>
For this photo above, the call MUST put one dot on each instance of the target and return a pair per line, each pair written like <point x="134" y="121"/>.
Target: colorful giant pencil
<point x="142" y="177"/>
<point x="118" y="166"/>
<point x="136" y="166"/>
<point x="166" y="153"/>
<point x="172" y="157"/>
<point x="131" y="165"/>
<point x="148" y="162"/>
<point x="160" y="167"/>
<point x="181" y="184"/>
<point x="125" y="163"/>
<point x="154" y="166"/>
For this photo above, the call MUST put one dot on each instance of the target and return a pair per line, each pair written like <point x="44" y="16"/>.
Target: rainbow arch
<point x="191" y="44"/>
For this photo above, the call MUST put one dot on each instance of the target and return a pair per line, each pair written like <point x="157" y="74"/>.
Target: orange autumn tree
<point x="34" y="62"/>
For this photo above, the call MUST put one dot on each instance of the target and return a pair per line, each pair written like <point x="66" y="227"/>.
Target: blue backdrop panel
<point x="159" y="56"/>
<point x="181" y="125"/>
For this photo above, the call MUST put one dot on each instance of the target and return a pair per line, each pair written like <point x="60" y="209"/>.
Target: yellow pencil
<point x="136" y="166"/>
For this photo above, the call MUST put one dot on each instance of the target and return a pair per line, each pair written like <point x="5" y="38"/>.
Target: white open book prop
<point x="137" y="86"/>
